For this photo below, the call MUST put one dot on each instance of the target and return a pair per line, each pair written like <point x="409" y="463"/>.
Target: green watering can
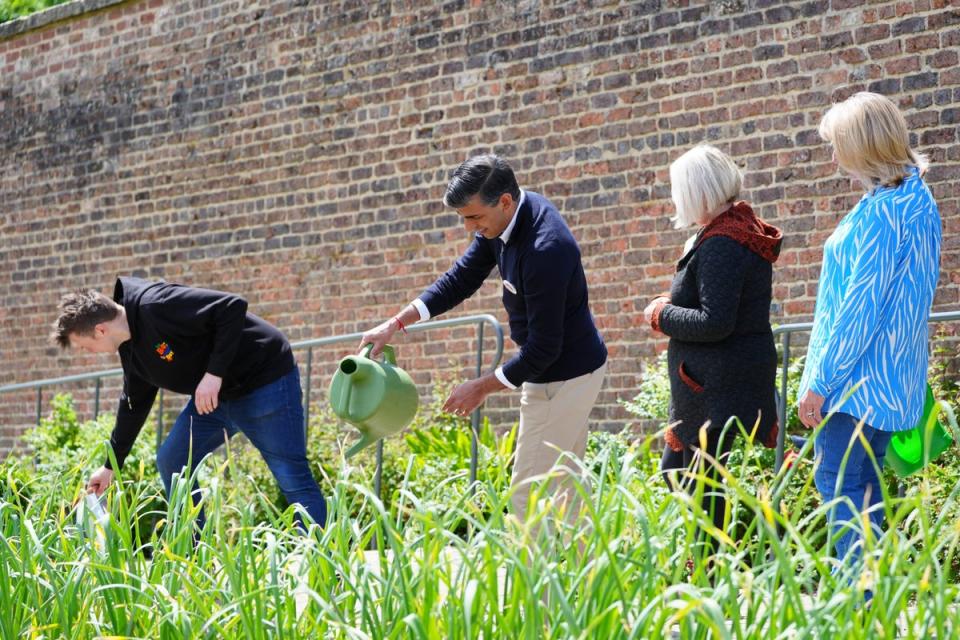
<point x="378" y="398"/>
<point x="910" y="451"/>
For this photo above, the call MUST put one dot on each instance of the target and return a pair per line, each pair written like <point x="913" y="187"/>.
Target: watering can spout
<point x="366" y="439"/>
<point x="354" y="370"/>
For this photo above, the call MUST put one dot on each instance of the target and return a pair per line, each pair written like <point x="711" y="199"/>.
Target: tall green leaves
<point x="436" y="561"/>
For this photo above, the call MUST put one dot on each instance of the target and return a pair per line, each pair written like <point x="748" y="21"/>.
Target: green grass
<point x="13" y="9"/>
<point x="619" y="572"/>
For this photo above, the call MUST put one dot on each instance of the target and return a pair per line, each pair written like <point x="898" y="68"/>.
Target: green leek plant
<point x="448" y="562"/>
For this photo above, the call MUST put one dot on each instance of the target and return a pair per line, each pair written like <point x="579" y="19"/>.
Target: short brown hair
<point x="80" y="312"/>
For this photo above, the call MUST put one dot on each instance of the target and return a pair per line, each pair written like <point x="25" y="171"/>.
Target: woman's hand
<point x="811" y="409"/>
<point x="650" y="311"/>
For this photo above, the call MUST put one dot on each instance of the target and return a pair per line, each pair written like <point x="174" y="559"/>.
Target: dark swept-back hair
<point x="486" y="176"/>
<point x="80" y="312"/>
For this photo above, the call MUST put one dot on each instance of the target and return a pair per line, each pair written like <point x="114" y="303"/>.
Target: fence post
<point x="475" y="418"/>
<point x="306" y="393"/>
<point x="96" y="399"/>
<point x="782" y="404"/>
<point x="160" y="420"/>
<point x="378" y="474"/>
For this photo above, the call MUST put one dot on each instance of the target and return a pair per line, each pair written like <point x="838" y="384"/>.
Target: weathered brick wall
<point x="297" y="151"/>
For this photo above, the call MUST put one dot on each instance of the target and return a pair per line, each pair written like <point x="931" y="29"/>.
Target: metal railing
<point x="479" y="320"/>
<point x="787" y="331"/>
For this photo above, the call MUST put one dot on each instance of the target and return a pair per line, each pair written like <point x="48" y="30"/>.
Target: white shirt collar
<point x="505" y="236"/>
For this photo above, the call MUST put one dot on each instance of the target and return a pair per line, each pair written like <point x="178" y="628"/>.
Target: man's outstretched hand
<point x="207" y="396"/>
<point x="470" y="395"/>
<point x="379" y="336"/>
<point x="100" y="480"/>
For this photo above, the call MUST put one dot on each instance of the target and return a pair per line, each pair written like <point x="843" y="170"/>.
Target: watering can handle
<point x="389" y="355"/>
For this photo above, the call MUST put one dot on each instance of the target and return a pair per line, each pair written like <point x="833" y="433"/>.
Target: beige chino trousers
<point x="553" y="420"/>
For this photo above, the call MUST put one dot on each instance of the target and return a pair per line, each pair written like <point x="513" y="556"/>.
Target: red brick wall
<point x="296" y="152"/>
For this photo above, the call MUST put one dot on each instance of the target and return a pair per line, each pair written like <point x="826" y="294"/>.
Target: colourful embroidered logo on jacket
<point x="164" y="351"/>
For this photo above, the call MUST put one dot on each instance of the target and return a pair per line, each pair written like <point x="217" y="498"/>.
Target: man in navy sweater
<point x="238" y="370"/>
<point x="562" y="357"/>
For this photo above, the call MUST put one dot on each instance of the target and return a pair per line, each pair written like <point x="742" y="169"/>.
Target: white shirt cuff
<point x="502" y="378"/>
<point x="421" y="309"/>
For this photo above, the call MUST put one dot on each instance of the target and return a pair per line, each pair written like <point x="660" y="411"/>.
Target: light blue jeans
<point x="858" y="480"/>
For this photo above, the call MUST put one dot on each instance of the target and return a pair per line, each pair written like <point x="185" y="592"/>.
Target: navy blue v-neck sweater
<point x="544" y="293"/>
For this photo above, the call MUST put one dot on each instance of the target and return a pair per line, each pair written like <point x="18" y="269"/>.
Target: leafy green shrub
<point x="435" y="452"/>
<point x="652" y="401"/>
<point x="64" y="451"/>
<point x="944" y="375"/>
<point x="433" y="456"/>
<point x="13" y="9"/>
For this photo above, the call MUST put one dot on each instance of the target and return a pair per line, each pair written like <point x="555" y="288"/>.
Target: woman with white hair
<point x="867" y="360"/>
<point x="722" y="358"/>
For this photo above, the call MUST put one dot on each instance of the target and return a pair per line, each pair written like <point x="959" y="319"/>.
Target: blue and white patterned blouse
<point x="880" y="269"/>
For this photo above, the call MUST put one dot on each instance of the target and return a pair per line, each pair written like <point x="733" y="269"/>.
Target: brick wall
<point x="297" y="152"/>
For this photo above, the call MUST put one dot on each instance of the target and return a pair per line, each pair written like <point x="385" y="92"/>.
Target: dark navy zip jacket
<point x="178" y="334"/>
<point x="544" y="293"/>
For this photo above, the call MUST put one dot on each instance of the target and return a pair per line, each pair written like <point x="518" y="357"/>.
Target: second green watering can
<point x="378" y="398"/>
<point x="910" y="451"/>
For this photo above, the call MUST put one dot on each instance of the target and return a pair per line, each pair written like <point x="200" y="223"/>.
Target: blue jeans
<point x="858" y="481"/>
<point x="272" y="419"/>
